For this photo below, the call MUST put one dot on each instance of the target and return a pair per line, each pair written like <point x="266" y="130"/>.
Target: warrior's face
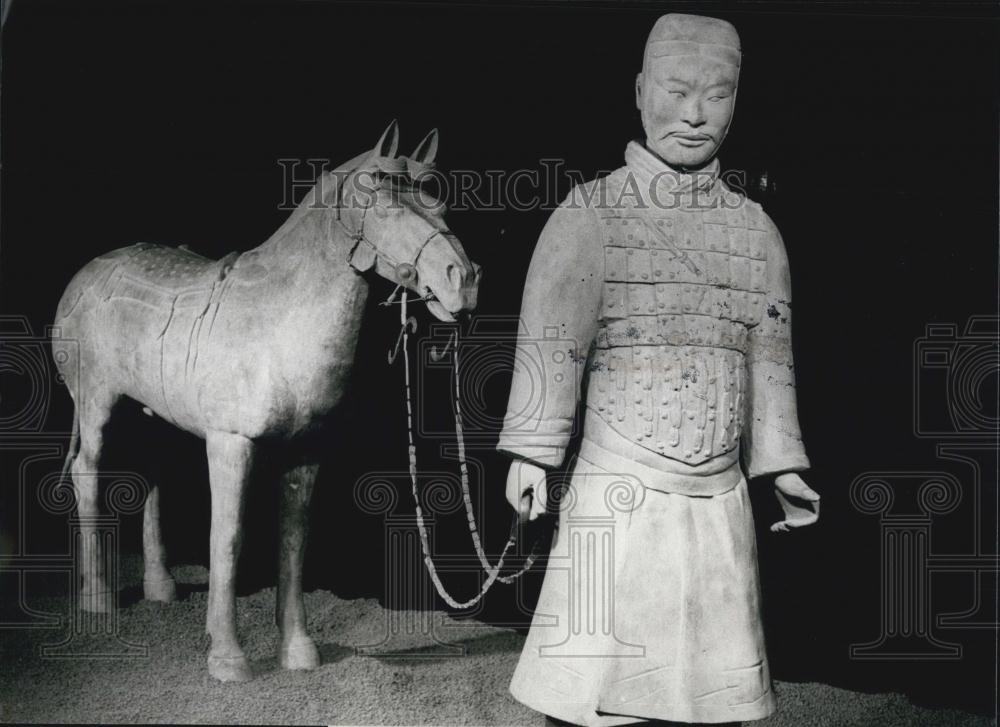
<point x="687" y="102"/>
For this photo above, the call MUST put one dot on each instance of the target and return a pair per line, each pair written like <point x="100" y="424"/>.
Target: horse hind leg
<point x="157" y="583"/>
<point x="94" y="412"/>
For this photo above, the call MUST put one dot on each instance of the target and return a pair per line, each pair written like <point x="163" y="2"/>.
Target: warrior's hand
<point x="799" y="501"/>
<point x="526" y="491"/>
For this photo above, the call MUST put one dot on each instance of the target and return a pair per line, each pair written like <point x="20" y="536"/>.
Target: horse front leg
<point x="157" y="583"/>
<point x="297" y="650"/>
<point x="230" y="458"/>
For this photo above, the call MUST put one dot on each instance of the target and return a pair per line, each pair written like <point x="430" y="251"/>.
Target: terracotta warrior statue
<point x="662" y="297"/>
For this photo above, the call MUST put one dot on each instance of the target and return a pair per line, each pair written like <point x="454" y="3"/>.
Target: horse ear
<point x="389" y="142"/>
<point x="427" y="149"/>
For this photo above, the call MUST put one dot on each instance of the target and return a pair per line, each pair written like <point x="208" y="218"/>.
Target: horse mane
<point x="328" y="183"/>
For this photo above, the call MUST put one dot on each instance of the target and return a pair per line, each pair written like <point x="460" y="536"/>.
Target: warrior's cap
<point x="678" y="34"/>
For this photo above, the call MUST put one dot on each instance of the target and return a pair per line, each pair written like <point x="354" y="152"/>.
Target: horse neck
<point x="307" y="232"/>
<point x="307" y="239"/>
<point x="309" y="252"/>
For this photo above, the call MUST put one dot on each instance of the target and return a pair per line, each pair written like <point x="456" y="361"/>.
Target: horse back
<point x="132" y="313"/>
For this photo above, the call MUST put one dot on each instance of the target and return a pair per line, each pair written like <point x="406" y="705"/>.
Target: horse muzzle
<point x="440" y="312"/>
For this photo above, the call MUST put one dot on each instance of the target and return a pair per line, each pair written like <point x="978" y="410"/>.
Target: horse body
<point x="256" y="346"/>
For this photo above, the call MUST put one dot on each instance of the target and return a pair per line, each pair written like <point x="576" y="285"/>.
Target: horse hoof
<point x="97" y="602"/>
<point x="299" y="653"/>
<point x="163" y="590"/>
<point x="230" y="668"/>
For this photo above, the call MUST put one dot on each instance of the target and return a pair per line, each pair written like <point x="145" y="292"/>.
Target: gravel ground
<point x="401" y="682"/>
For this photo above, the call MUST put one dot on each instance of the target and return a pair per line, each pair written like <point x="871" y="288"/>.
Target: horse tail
<point x="74" y="446"/>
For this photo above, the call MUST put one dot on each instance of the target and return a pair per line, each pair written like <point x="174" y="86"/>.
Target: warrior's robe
<point x="664" y="300"/>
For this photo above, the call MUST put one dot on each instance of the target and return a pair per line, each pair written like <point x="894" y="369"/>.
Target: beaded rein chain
<point x="409" y="325"/>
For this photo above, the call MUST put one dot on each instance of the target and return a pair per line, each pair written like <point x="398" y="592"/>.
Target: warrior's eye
<point x="677" y="94"/>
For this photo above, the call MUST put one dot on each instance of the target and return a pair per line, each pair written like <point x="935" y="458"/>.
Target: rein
<point x="409" y="325"/>
<point x="405" y="274"/>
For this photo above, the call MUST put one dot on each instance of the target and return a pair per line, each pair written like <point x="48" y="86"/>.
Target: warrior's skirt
<point x="650" y="607"/>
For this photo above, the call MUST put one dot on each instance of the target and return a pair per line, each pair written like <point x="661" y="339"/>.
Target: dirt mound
<point x="379" y="667"/>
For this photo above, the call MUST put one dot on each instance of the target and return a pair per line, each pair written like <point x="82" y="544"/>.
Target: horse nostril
<point x="454" y="275"/>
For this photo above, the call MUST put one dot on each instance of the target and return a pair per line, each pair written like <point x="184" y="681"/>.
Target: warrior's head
<point x="686" y="92"/>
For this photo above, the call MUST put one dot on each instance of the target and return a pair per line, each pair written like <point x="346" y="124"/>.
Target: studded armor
<point x="681" y="290"/>
<point x="685" y="283"/>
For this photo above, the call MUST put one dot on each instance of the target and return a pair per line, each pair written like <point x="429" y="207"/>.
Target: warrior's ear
<point x="389" y="142"/>
<point x="427" y="149"/>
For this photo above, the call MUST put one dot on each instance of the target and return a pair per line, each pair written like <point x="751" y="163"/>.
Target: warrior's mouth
<point x="693" y="139"/>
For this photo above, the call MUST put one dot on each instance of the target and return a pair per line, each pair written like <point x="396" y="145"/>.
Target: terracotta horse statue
<point x="246" y="352"/>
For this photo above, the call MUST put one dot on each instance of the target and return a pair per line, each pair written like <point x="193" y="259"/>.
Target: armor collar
<point x="659" y="183"/>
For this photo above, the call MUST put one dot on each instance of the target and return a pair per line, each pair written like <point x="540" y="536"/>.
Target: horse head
<point x="398" y="228"/>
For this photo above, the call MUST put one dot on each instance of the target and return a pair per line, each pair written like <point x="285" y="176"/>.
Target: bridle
<point x="363" y="253"/>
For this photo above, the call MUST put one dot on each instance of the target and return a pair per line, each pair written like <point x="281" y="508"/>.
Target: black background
<point x="877" y="130"/>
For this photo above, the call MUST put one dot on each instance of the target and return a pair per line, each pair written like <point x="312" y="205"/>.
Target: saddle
<point x="167" y="279"/>
<point x="177" y="269"/>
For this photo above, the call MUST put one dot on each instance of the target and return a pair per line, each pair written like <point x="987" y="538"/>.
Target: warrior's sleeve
<point x="772" y="439"/>
<point x="558" y="323"/>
